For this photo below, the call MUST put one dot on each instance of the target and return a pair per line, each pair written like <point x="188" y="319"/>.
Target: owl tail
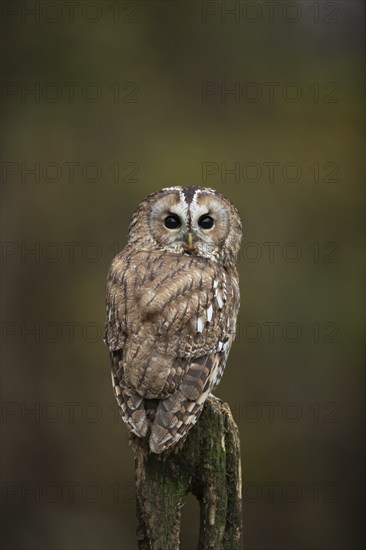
<point x="174" y="418"/>
<point x="178" y="413"/>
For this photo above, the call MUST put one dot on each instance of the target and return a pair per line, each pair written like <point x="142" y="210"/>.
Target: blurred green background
<point x="130" y="97"/>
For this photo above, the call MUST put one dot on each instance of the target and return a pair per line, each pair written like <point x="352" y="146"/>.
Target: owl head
<point x="188" y="220"/>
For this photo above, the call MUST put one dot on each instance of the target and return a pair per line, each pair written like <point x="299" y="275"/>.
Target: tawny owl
<point x="172" y="303"/>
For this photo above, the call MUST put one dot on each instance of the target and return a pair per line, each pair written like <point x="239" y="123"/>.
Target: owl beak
<point x="190" y="240"/>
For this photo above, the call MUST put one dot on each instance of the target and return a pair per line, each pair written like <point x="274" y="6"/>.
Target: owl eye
<point x="206" y="222"/>
<point x="172" y="221"/>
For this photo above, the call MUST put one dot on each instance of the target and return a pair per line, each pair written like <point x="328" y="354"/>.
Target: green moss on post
<point x="206" y="464"/>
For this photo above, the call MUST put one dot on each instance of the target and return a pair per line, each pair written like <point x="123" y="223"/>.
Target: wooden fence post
<point x="206" y="464"/>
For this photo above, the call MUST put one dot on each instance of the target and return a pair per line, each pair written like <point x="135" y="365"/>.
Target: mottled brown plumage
<point x="172" y="304"/>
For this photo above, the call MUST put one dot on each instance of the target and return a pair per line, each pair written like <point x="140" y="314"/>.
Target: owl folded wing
<point x="173" y="317"/>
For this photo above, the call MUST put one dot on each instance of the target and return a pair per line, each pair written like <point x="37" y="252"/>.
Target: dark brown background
<point x="297" y="396"/>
